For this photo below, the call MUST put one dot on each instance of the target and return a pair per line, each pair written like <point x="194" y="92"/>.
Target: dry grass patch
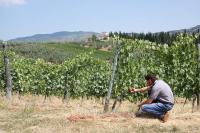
<point x="30" y="115"/>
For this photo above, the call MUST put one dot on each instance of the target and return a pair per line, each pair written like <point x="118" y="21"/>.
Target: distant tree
<point x="94" y="37"/>
<point x="176" y="34"/>
<point x="105" y="38"/>
<point x="132" y="35"/>
<point x="135" y="36"/>
<point x="125" y="35"/>
<point x="111" y="34"/>
<point x="168" y="38"/>
<point x="173" y="38"/>
<point x="149" y="36"/>
<point x="193" y="34"/>
<point x="120" y="34"/>
<point x="89" y="39"/>
<point x="184" y="34"/>
<point x="198" y="38"/>
<point x="115" y="33"/>
<point x="162" y="37"/>
<point x="141" y="36"/>
<point x="146" y="37"/>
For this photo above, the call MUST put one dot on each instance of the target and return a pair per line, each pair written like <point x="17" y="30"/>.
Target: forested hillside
<point x="160" y="37"/>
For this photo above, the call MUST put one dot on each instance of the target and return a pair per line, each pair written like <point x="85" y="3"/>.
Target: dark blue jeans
<point x="157" y="109"/>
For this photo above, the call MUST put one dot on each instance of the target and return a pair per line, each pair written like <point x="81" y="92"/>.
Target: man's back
<point x="162" y="92"/>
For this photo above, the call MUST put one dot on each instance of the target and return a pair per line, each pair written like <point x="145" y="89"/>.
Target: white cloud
<point x="9" y="3"/>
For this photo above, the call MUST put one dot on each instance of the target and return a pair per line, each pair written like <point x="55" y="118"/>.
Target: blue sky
<point x="21" y="18"/>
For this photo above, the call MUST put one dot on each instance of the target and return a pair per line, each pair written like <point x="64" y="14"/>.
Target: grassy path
<point x="30" y="115"/>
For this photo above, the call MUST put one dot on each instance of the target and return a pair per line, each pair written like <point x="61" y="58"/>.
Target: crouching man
<point x="161" y="93"/>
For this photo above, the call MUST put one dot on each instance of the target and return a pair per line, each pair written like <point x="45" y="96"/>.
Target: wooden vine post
<point x="66" y="93"/>
<point x="7" y="69"/>
<point x="198" y="95"/>
<point x="112" y="78"/>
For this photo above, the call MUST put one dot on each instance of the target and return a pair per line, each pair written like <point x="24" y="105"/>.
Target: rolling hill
<point x="189" y="30"/>
<point x="63" y="36"/>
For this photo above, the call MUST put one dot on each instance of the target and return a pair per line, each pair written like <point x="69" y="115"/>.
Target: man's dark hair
<point x="151" y="76"/>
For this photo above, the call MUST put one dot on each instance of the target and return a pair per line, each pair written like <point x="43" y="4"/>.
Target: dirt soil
<point x="30" y="115"/>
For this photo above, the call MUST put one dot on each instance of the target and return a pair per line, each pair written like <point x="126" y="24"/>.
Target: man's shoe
<point x="164" y="118"/>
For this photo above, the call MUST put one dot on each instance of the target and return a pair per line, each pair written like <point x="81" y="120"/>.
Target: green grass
<point x="57" y="52"/>
<point x="76" y="49"/>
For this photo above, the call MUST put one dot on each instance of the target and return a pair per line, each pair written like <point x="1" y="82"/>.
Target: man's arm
<point x="148" y="101"/>
<point x="141" y="89"/>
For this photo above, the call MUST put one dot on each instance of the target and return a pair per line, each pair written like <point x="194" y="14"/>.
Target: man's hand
<point x="139" y="104"/>
<point x="148" y="101"/>
<point x="132" y="90"/>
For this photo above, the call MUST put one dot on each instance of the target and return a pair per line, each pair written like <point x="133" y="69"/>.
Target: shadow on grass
<point x="145" y="115"/>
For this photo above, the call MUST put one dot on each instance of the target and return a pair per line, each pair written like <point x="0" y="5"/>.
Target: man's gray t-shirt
<point x="162" y="92"/>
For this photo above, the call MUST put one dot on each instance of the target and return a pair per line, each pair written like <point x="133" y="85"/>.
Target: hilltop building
<point x="104" y="36"/>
